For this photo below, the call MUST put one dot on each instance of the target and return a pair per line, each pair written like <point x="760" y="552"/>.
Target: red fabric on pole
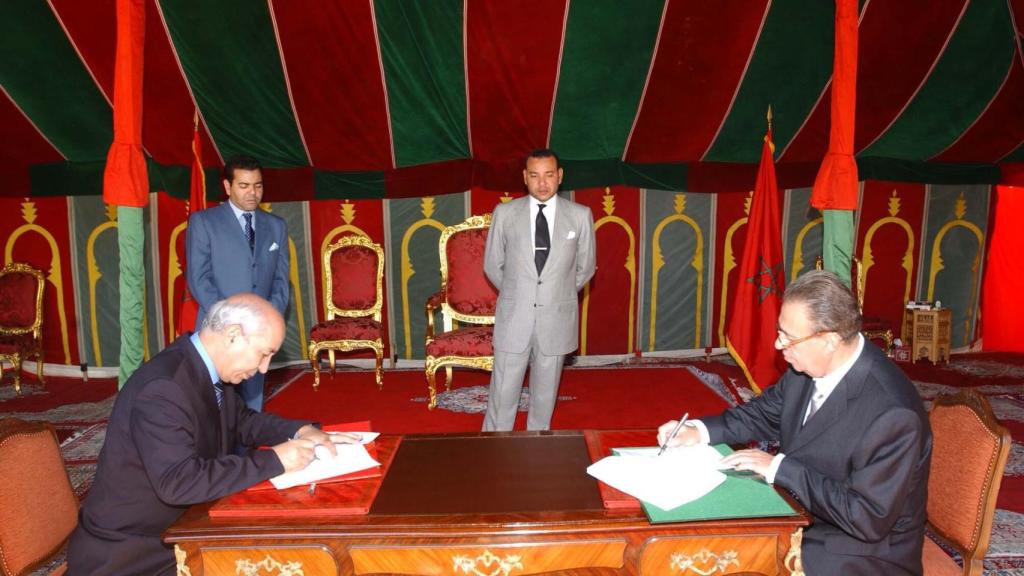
<point x="1001" y="330"/>
<point x="196" y="202"/>
<point x="125" y="182"/>
<point x="836" y="185"/>
<point x="750" y="334"/>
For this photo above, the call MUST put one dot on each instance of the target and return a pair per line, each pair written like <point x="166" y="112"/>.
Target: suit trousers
<point x="507" y="385"/>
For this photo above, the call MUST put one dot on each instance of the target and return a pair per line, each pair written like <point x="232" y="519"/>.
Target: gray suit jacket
<point x="219" y="263"/>
<point x="860" y="465"/>
<point x="549" y="301"/>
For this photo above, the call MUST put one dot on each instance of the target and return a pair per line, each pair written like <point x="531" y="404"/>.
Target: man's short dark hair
<point x="240" y="162"/>
<point x="831" y="306"/>
<point x="544" y="153"/>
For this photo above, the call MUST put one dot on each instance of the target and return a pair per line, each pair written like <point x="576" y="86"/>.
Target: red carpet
<point x="606" y="398"/>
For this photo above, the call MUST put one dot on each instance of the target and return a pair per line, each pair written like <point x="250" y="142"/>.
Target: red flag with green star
<point x="750" y="335"/>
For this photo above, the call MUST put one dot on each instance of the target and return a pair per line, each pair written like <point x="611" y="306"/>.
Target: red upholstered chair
<point x="353" y="270"/>
<point x="38" y="506"/>
<point x="466" y="296"/>
<point x="969" y="454"/>
<point x="21" y="319"/>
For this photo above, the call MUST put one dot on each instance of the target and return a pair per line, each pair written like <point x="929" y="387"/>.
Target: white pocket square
<point x="571" y="235"/>
<point x="273" y="247"/>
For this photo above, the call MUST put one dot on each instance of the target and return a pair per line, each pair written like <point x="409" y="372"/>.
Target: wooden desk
<point x="484" y="504"/>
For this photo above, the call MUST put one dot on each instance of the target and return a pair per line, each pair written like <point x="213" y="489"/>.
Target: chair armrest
<point x="433" y="303"/>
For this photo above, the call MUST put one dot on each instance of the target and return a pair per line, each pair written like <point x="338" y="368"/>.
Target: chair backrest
<point x="353" y="270"/>
<point x="38" y="507"/>
<point x="21" y="299"/>
<point x="969" y="454"/>
<point x="469" y="295"/>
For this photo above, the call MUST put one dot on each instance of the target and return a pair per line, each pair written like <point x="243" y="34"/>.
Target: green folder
<point x="742" y="495"/>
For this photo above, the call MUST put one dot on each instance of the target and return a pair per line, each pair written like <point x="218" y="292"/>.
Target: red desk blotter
<point x="352" y="497"/>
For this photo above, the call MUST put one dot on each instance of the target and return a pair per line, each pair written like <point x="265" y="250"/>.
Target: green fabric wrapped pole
<point x="130" y="242"/>
<point x="837" y="244"/>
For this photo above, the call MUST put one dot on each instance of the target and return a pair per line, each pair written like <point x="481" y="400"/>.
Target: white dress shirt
<point x="241" y="219"/>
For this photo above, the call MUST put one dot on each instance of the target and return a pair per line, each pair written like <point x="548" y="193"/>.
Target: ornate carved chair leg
<point x="448" y="378"/>
<point x="431" y="385"/>
<point x="39" y="367"/>
<point x="380" y="366"/>
<point x="330" y="357"/>
<point x="17" y="374"/>
<point x="314" y="361"/>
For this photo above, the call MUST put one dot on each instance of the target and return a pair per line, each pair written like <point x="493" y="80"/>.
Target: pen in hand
<point x="671" y="435"/>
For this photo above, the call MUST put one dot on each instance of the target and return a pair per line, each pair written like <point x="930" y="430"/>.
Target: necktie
<point x="218" y="390"/>
<point x="816" y="401"/>
<point x="541" y="239"/>
<point x="250" y="234"/>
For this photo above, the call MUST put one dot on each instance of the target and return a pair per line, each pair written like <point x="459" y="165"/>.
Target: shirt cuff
<point x="705" y="437"/>
<point x="773" y="468"/>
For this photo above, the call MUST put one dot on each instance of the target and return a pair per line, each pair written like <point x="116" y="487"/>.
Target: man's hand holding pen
<point x="687" y="435"/>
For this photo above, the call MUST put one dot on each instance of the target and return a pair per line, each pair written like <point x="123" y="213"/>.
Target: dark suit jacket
<point x="167" y="447"/>
<point x="860" y="465"/>
<point x="219" y="263"/>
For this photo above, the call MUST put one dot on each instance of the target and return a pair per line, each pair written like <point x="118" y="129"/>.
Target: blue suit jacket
<point x="221" y="265"/>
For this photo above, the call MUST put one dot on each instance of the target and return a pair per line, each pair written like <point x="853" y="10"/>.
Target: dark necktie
<point x="817" y="399"/>
<point x="541" y="239"/>
<point x="218" y="390"/>
<point x="250" y="234"/>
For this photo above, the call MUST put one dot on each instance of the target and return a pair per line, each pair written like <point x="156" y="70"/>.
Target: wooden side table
<point x="929" y="333"/>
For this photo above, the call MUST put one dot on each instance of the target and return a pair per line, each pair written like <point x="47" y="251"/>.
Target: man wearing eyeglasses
<point x="854" y="440"/>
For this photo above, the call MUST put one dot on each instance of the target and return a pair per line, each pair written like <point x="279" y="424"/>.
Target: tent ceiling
<point x="392" y="98"/>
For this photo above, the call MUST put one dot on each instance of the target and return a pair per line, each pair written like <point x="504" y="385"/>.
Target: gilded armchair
<point x="353" y="274"/>
<point x="467" y="297"/>
<point x="21" y="319"/>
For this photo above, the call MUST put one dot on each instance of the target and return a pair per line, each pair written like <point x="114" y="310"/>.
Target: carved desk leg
<point x="793" y="562"/>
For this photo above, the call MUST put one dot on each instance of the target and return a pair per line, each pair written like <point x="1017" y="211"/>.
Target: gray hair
<point x="831" y="306"/>
<point x="250" y="316"/>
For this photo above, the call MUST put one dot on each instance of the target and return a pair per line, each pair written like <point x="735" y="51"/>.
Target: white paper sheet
<point x="668" y="481"/>
<point x="350" y="458"/>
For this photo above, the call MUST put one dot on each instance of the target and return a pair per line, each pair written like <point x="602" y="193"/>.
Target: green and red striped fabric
<point x="387" y="98"/>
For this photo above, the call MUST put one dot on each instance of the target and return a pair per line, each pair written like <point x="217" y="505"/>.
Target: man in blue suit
<point x="238" y="247"/>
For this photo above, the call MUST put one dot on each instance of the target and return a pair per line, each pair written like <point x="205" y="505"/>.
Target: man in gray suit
<point x="238" y="247"/>
<point x="539" y="254"/>
<point x="854" y="440"/>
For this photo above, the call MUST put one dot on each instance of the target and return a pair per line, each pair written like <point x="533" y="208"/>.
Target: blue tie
<point x="250" y="234"/>
<point x="218" y="390"/>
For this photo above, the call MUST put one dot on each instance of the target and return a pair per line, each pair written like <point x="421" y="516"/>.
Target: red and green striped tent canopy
<point x="394" y="98"/>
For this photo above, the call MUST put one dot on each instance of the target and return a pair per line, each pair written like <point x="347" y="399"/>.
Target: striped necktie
<point x="250" y="234"/>
<point x="218" y="390"/>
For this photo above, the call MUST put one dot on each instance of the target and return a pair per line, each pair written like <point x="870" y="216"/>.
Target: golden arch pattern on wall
<point x="173" y="271"/>
<point x="630" y="265"/>
<point x="798" y="248"/>
<point x="728" y="263"/>
<point x="28" y="213"/>
<point x="868" y="260"/>
<point x="657" y="262"/>
<point x="94" y="278"/>
<point x="427" y="209"/>
<point x="937" y="264"/>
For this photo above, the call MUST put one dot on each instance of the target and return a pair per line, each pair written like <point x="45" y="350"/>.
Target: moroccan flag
<point x="750" y="335"/>
<point x="196" y="201"/>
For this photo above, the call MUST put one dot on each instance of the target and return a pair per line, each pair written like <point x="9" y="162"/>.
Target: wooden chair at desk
<point x="38" y="507"/>
<point x="969" y="451"/>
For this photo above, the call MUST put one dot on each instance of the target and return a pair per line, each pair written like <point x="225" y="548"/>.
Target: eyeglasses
<point x="786" y="341"/>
